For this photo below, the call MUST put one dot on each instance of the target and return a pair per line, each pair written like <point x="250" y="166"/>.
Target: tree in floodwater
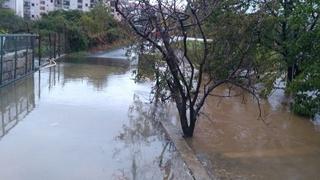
<point x="166" y="25"/>
<point x="294" y="23"/>
<point x="291" y="31"/>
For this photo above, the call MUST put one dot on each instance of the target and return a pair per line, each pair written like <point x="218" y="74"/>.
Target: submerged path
<point x="82" y="121"/>
<point x="120" y="57"/>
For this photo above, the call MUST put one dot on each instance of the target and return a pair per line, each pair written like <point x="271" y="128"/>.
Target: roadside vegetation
<point x="282" y="40"/>
<point x="258" y="46"/>
<point x="82" y="30"/>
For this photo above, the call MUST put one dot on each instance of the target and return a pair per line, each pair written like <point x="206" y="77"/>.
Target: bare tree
<point x="167" y="26"/>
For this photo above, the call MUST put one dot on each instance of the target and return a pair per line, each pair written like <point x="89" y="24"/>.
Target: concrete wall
<point x="23" y="65"/>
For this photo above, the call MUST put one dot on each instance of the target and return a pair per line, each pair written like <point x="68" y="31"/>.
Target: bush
<point x="11" y="23"/>
<point x="83" y="29"/>
<point x="306" y="90"/>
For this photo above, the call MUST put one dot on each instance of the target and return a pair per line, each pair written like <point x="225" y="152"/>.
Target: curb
<point x="194" y="165"/>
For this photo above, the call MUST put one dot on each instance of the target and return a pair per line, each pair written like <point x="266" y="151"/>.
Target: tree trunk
<point x="187" y="128"/>
<point x="290" y="74"/>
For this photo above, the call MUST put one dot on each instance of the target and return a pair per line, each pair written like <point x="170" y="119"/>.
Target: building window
<point x="32" y="4"/>
<point x="86" y="4"/>
<point x="32" y="15"/>
<point x="42" y="2"/>
<point x="79" y="1"/>
<point x="51" y="1"/>
<point x="79" y="6"/>
<point x="42" y="8"/>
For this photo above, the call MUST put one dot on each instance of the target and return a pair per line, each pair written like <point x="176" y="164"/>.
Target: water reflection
<point x="85" y="121"/>
<point x="16" y="102"/>
<point x="84" y="72"/>
<point x="144" y="130"/>
<point x="20" y="98"/>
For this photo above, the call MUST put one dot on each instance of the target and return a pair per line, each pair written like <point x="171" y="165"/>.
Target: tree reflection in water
<point x="151" y="154"/>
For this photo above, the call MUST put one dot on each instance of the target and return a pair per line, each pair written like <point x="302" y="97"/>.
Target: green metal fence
<point x="22" y="54"/>
<point x="52" y="46"/>
<point x="17" y="56"/>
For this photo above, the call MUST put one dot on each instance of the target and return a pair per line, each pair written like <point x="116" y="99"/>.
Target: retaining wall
<point x="16" y="65"/>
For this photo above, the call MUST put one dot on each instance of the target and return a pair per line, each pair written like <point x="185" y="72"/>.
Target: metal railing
<point x="17" y="55"/>
<point x="23" y="54"/>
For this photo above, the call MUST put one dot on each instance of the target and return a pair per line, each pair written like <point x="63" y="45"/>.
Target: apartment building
<point x="33" y="9"/>
<point x="83" y="5"/>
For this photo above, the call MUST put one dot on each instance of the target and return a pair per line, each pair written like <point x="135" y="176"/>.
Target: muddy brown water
<point x="90" y="120"/>
<point x="233" y="143"/>
<point x="83" y="121"/>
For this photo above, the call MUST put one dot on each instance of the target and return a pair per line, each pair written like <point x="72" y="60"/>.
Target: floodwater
<point x="233" y="143"/>
<point x="120" y="53"/>
<point x="92" y="121"/>
<point x="79" y="121"/>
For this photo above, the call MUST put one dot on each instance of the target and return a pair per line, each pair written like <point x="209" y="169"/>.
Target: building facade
<point x="33" y="9"/>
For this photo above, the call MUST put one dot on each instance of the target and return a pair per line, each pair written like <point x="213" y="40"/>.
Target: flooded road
<point x="234" y="144"/>
<point x="91" y="120"/>
<point x="81" y="122"/>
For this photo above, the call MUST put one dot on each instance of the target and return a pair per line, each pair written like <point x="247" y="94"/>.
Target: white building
<point x="33" y="9"/>
<point x="16" y="6"/>
<point x="83" y="5"/>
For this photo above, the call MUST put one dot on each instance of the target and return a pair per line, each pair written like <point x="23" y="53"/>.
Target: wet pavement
<point x="83" y="121"/>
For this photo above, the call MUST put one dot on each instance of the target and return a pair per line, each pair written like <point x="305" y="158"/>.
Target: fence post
<point x="32" y="47"/>
<point x="50" y="47"/>
<point x="15" y="58"/>
<point x="27" y="51"/>
<point x="39" y="50"/>
<point x="54" y="45"/>
<point x="59" y="45"/>
<point x="1" y="58"/>
<point x="65" y="39"/>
